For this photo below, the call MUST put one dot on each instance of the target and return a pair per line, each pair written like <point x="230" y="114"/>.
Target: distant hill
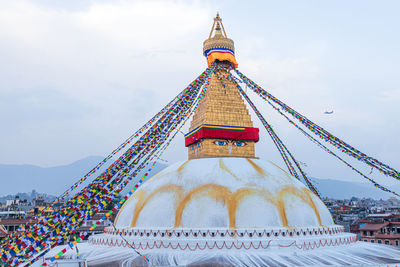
<point x="55" y="180"/>
<point x="345" y="190"/>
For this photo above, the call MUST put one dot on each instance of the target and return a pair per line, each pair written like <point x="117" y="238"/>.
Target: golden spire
<point x="217" y="25"/>
<point x="221" y="125"/>
<point x="219" y="47"/>
<point x="218" y="33"/>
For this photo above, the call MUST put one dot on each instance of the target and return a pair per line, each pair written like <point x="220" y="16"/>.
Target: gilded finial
<point x="217" y="25"/>
<point x="219" y="46"/>
<point x="217" y="18"/>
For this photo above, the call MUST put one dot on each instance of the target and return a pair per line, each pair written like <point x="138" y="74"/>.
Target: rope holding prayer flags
<point x="51" y="230"/>
<point x="331" y="152"/>
<point x="317" y="142"/>
<point x="123" y="145"/>
<point x="322" y="133"/>
<point x="283" y="150"/>
<point x="201" y="95"/>
<point x="279" y="145"/>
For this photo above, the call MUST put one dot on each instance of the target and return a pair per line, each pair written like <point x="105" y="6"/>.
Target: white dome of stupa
<point x="228" y="212"/>
<point x="229" y="193"/>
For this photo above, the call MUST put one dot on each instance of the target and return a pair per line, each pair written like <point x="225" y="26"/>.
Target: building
<point x="12" y="214"/>
<point x="39" y="201"/>
<point x="16" y="202"/>
<point x="12" y="224"/>
<point x="37" y="210"/>
<point x="381" y="228"/>
<point x="387" y="233"/>
<point x="3" y="232"/>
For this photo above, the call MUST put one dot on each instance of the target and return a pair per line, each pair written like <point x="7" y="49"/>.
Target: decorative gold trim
<point x="230" y="199"/>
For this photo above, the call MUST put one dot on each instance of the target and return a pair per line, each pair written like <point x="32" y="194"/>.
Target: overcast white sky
<point x="78" y="77"/>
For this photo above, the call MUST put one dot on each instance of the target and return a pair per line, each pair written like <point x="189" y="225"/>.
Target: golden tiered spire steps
<point x="222" y="106"/>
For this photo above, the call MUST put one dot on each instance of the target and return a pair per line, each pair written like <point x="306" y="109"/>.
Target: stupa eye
<point x="221" y="143"/>
<point x="238" y="143"/>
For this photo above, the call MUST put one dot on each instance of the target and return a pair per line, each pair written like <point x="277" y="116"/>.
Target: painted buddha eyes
<point x="224" y="143"/>
<point x="220" y="143"/>
<point x="238" y="143"/>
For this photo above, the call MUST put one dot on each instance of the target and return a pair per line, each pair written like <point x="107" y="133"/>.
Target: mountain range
<point x="55" y="180"/>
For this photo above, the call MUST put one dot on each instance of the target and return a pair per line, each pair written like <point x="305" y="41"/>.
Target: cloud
<point x="78" y="77"/>
<point x="390" y="96"/>
<point x="105" y="66"/>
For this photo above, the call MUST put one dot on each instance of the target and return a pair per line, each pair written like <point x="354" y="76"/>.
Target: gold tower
<point x="221" y="125"/>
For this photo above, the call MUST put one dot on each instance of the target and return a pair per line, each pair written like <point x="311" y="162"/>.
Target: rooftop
<point x="388" y="236"/>
<point x="373" y="226"/>
<point x="380" y="215"/>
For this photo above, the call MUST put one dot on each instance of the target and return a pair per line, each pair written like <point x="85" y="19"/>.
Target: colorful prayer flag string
<point x="283" y="150"/>
<point x="322" y="133"/>
<point x="51" y="230"/>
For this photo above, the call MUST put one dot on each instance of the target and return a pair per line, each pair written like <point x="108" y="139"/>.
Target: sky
<point x="79" y="77"/>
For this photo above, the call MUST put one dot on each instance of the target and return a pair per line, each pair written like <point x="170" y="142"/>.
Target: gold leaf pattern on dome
<point x="176" y="190"/>
<point x="223" y="192"/>
<point x="231" y="200"/>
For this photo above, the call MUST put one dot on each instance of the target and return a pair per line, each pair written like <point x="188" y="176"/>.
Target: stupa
<point x="224" y="206"/>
